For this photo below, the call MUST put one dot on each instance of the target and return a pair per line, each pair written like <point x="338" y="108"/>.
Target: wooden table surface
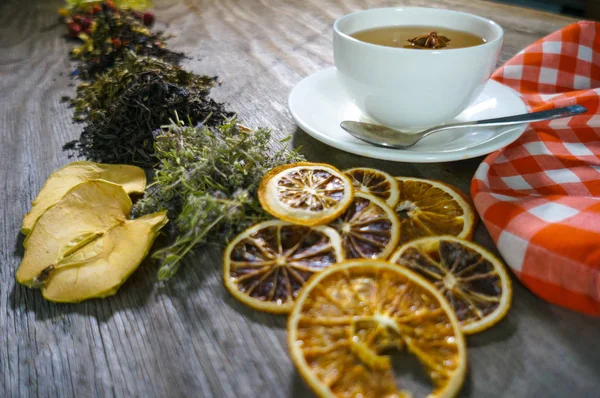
<point x="188" y="337"/>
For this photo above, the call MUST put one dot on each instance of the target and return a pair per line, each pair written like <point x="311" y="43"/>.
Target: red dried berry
<point x="85" y="22"/>
<point x="116" y="42"/>
<point x="74" y="28"/>
<point x="96" y="9"/>
<point x="148" y="19"/>
<point x="110" y="4"/>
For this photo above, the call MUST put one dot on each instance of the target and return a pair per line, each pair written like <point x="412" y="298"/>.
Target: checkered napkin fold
<point x="540" y="197"/>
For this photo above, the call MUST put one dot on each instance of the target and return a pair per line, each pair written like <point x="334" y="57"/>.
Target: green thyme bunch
<point x="207" y="180"/>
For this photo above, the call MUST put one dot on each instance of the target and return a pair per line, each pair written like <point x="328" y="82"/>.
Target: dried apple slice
<point x="106" y="263"/>
<point x="132" y="178"/>
<point x="84" y="246"/>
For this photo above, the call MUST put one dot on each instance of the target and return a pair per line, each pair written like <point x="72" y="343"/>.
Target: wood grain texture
<point x="188" y="337"/>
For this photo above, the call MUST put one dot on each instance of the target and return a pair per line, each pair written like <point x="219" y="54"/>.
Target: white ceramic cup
<point x="413" y="89"/>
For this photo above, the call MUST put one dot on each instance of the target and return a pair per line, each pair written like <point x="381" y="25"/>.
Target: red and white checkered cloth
<point x="540" y="197"/>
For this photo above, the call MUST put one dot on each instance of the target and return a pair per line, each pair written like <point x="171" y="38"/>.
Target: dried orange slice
<point x="305" y="193"/>
<point x="430" y="208"/>
<point x="375" y="182"/>
<point x="473" y="280"/>
<point x="369" y="228"/>
<point x="265" y="266"/>
<point x="349" y="316"/>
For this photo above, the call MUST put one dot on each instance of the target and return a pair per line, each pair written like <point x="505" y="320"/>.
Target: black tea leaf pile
<point x="123" y="107"/>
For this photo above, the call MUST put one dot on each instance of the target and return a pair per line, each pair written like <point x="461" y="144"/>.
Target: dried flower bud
<point x="85" y="22"/>
<point x="148" y="19"/>
<point x="74" y="29"/>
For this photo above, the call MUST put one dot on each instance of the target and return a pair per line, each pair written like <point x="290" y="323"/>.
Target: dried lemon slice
<point x="472" y="279"/>
<point x="305" y="193"/>
<point x="430" y="208"/>
<point x="375" y="182"/>
<point x="369" y="228"/>
<point x="348" y="316"/>
<point x="266" y="265"/>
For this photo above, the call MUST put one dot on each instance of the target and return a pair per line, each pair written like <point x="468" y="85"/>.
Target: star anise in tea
<point x="431" y="41"/>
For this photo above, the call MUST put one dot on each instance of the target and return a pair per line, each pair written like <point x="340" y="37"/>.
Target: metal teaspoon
<point x="389" y="138"/>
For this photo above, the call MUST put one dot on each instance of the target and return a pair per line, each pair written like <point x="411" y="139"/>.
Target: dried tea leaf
<point x="131" y="178"/>
<point x="123" y="107"/>
<point x="85" y="246"/>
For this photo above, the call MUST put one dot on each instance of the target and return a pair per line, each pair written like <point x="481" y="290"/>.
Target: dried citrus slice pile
<point x="267" y="264"/>
<point x="429" y="208"/>
<point x="369" y="228"/>
<point x="348" y="316"/>
<point x="375" y="182"/>
<point x="473" y="280"/>
<point x="305" y="193"/>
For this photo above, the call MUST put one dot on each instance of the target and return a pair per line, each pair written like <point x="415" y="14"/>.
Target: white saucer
<point x="318" y="104"/>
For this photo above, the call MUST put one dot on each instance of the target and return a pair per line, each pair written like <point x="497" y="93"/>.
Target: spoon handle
<point x="551" y="114"/>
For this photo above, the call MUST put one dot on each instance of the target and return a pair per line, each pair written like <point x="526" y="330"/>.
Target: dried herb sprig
<point x="207" y="180"/>
<point x="122" y="108"/>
